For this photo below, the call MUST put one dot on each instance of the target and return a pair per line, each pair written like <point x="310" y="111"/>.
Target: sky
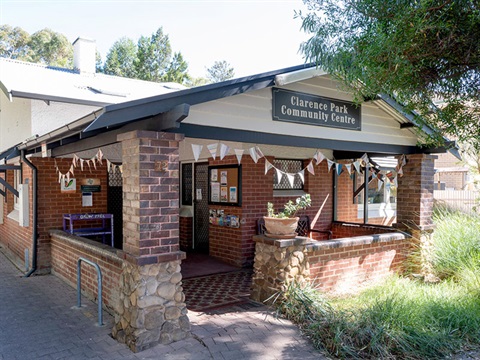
<point x="252" y="36"/>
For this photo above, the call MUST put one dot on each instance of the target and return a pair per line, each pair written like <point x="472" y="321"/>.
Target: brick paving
<point x="38" y="320"/>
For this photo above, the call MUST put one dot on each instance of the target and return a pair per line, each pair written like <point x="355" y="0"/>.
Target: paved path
<point x="38" y="320"/>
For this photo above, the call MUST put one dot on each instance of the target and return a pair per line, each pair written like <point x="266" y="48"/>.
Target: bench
<point x="303" y="228"/>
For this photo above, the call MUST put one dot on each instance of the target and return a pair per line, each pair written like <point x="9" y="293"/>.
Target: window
<point x="17" y="180"/>
<point x="287" y="166"/>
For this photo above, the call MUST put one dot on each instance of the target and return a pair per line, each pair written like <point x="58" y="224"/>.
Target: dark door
<point x="201" y="214"/>
<point x="115" y="205"/>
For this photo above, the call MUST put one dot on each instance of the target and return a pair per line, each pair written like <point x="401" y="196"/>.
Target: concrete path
<point x="38" y="320"/>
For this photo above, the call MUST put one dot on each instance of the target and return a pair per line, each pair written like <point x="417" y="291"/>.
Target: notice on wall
<point x="215" y="192"/>
<point x="68" y="186"/>
<point x="225" y="185"/>
<point x="90" y="185"/>
<point x="87" y="199"/>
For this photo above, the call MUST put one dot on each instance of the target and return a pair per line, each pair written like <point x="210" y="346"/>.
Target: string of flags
<point x="256" y="154"/>
<point x="84" y="163"/>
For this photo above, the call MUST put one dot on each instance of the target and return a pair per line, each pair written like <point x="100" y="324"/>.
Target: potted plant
<point x="284" y="223"/>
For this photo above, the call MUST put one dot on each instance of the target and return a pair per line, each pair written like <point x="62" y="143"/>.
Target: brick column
<point x="415" y="204"/>
<point x="152" y="306"/>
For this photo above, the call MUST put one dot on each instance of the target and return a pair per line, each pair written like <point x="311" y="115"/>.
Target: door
<point x="201" y="211"/>
<point x="115" y="205"/>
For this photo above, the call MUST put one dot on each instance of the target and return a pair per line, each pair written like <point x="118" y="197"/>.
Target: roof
<point x="38" y="81"/>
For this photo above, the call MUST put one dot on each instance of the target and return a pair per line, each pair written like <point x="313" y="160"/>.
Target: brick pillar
<point x="152" y="306"/>
<point x="415" y="204"/>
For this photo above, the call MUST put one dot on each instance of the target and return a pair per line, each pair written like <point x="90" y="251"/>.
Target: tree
<point x="121" y="58"/>
<point x="153" y="57"/>
<point x="177" y="70"/>
<point x="13" y="42"/>
<point x="416" y="51"/>
<point x="50" y="48"/>
<point x="220" y="71"/>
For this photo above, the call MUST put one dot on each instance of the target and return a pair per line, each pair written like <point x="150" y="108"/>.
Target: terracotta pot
<point x="282" y="227"/>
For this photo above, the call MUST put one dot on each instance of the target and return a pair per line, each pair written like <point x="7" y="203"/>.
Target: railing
<point x="462" y="200"/>
<point x="99" y="282"/>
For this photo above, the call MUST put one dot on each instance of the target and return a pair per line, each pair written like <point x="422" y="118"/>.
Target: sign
<point x="90" y="185"/>
<point x="292" y="106"/>
<point x="69" y="185"/>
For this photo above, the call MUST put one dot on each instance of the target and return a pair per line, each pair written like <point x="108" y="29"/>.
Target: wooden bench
<point x="303" y="228"/>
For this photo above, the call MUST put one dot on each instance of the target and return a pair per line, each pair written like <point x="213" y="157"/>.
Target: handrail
<point x="99" y="282"/>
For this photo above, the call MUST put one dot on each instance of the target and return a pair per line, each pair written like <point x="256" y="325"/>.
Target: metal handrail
<point x="79" y="286"/>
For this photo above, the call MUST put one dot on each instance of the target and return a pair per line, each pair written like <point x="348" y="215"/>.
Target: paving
<point x="39" y="320"/>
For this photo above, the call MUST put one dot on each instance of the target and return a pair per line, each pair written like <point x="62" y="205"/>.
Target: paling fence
<point x="463" y="200"/>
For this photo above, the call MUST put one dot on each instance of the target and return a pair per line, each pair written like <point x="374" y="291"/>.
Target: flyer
<point x="233" y="194"/>
<point x="215" y="192"/>
<point x="223" y="194"/>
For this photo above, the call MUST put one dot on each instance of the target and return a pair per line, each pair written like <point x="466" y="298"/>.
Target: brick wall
<point x="343" y="269"/>
<point x="342" y="230"/>
<point x="67" y="249"/>
<point x="186" y="233"/>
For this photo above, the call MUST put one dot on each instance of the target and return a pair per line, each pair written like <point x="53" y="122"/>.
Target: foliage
<point x="153" y="56"/>
<point x="417" y="51"/>
<point x="44" y="46"/>
<point x="121" y="57"/>
<point x="290" y="208"/>
<point x="178" y="70"/>
<point x="220" y="71"/>
<point x="399" y="319"/>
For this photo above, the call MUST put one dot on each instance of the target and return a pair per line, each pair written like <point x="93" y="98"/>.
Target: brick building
<point x="198" y="167"/>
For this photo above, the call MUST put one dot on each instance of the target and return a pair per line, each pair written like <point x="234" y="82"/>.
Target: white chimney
<point x="84" y="55"/>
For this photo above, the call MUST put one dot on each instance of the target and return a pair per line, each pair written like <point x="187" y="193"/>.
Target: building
<point x="196" y="170"/>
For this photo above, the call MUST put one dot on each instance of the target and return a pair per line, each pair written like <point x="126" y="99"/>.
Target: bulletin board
<point x="225" y="185"/>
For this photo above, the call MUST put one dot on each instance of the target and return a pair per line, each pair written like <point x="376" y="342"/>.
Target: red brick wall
<point x="52" y="204"/>
<point x="343" y="269"/>
<point x="65" y="254"/>
<point x="186" y="233"/>
<point x="341" y="230"/>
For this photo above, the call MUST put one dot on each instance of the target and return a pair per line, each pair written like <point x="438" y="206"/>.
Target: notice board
<point x="225" y="185"/>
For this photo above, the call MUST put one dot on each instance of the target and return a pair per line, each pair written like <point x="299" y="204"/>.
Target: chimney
<point x="84" y="55"/>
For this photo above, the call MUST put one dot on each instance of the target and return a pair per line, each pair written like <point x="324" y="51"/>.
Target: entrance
<point x="200" y="209"/>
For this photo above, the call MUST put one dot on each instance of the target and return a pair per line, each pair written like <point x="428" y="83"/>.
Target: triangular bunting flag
<point x="197" y="149"/>
<point x="310" y="168"/>
<point x="88" y="163"/>
<point x="364" y="158"/>
<point x="291" y="179"/>
<point x="71" y="170"/>
<point x="108" y="165"/>
<point x="330" y="164"/>
<point x="223" y="150"/>
<point x="239" y="154"/>
<point x="63" y="177"/>
<point x="319" y="157"/>
<point x="301" y="173"/>
<point x="279" y="175"/>
<point x="81" y="164"/>
<point x="74" y="160"/>
<point x="338" y="168"/>
<point x="94" y="164"/>
<point x="268" y="166"/>
<point x="379" y="183"/>
<point x="357" y="166"/>
<point x="259" y="152"/>
<point x="59" y="177"/>
<point x="253" y="154"/>
<point x="213" y="150"/>
<point x="100" y="156"/>
<point x="68" y="176"/>
<point x="120" y="167"/>
<point x="349" y="168"/>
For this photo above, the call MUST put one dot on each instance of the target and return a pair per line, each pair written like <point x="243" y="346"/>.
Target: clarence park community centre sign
<point x="310" y="109"/>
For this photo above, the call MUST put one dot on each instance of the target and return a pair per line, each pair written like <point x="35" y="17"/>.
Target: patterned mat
<point x="214" y="291"/>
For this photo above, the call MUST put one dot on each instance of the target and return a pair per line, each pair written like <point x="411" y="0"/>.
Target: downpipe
<point x="35" y="213"/>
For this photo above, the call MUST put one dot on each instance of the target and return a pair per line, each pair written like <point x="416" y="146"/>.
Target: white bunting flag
<point x="268" y="166"/>
<point x="120" y="167"/>
<point x="259" y="152"/>
<point x="279" y="175"/>
<point x="349" y="168"/>
<point x="253" y="154"/>
<point x="338" y="168"/>
<point x="301" y="173"/>
<point x="379" y="183"/>
<point x="291" y="179"/>
<point x="364" y="158"/>
<point x="63" y="177"/>
<point x="74" y="160"/>
<point x="223" y="150"/>
<point x="239" y="154"/>
<point x="310" y="168"/>
<point x="94" y="164"/>
<point x="197" y="149"/>
<point x="330" y="164"/>
<point x="60" y="177"/>
<point x="81" y="164"/>
<point x="88" y="163"/>
<point x="71" y="170"/>
<point x="100" y="156"/>
<point x="357" y="166"/>
<point x="213" y="150"/>
<point x="395" y="181"/>
<point x="319" y="157"/>
<point x="68" y="176"/>
<point x="109" y="164"/>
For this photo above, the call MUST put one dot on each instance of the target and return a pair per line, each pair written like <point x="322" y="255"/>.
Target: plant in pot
<point x="282" y="225"/>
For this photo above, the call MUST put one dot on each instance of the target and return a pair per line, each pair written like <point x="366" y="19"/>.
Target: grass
<point x="402" y="318"/>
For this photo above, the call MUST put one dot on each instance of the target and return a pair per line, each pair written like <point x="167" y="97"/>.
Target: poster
<point x="69" y="185"/>
<point x="215" y="196"/>
<point x="233" y="194"/>
<point x="213" y="175"/>
<point x="223" y="177"/>
<point x="223" y="194"/>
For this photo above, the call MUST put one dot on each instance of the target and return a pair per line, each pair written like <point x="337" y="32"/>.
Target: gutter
<point x="35" y="213"/>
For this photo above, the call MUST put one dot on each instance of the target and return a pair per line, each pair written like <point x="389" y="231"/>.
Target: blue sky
<point x="253" y="36"/>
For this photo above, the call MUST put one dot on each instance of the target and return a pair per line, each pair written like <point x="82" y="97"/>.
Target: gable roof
<point x="42" y="82"/>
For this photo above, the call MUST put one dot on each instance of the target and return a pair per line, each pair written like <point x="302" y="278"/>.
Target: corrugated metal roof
<point x="37" y="81"/>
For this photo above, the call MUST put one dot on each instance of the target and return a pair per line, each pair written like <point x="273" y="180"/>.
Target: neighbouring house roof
<point x="38" y="81"/>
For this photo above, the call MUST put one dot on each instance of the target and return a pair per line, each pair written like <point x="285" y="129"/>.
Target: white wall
<point x="15" y="123"/>
<point x="253" y="111"/>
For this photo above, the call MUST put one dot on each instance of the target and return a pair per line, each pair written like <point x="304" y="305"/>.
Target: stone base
<point x="151" y="307"/>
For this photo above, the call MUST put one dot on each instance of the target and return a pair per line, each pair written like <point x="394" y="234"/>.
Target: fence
<point x="466" y="201"/>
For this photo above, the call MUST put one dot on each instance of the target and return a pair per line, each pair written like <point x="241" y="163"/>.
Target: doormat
<point x="220" y="290"/>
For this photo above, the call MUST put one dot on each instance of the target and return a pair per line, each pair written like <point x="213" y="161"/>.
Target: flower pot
<point x="281" y="228"/>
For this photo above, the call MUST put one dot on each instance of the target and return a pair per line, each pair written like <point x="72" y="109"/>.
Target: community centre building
<point x="136" y="186"/>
